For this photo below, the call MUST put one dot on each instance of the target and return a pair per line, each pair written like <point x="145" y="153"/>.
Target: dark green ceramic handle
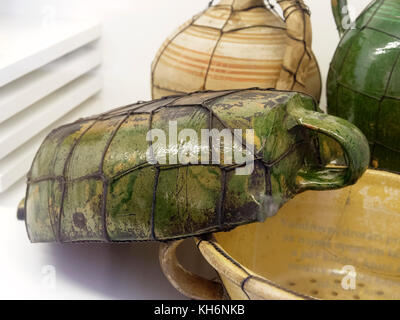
<point x="337" y="9"/>
<point x="350" y="138"/>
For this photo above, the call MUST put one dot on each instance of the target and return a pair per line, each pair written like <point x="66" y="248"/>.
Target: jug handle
<point x="298" y="54"/>
<point x="353" y="142"/>
<point x="338" y="9"/>
<point x="186" y="282"/>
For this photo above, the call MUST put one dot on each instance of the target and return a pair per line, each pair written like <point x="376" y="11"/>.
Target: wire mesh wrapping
<point x="90" y="180"/>
<point x="363" y="81"/>
<point x="239" y="44"/>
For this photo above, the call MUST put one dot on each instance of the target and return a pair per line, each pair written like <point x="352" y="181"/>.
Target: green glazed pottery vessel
<point x="102" y="179"/>
<point x="364" y="78"/>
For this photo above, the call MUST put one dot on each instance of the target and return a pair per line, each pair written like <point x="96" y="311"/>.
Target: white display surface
<point x="132" y="33"/>
<point x="75" y="271"/>
<point x="83" y="271"/>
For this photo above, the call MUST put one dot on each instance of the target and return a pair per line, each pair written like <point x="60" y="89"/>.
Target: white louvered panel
<point x="22" y="93"/>
<point x="17" y="147"/>
<point x="17" y="164"/>
<point x="27" y="44"/>
<point x="47" y="69"/>
<point x="19" y="129"/>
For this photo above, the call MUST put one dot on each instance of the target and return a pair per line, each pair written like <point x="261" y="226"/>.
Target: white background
<point x="132" y="32"/>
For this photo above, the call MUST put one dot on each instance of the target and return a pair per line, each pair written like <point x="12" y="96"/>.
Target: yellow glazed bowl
<point x="342" y="244"/>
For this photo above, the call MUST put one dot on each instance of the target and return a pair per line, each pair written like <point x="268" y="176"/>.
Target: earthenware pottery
<point x="341" y="244"/>
<point x="141" y="172"/>
<point x="238" y="44"/>
<point x="364" y="78"/>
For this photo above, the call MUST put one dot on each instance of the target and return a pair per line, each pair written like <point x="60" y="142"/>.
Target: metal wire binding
<point x="153" y="85"/>
<point x="99" y="175"/>
<point x="268" y="3"/>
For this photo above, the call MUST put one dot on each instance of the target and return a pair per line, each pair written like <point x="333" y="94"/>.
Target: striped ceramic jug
<point x="239" y="44"/>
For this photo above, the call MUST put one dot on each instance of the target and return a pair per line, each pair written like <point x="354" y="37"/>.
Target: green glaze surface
<point x="364" y="78"/>
<point x="91" y="181"/>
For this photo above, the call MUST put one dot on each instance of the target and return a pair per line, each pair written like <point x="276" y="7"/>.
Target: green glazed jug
<point x="103" y="179"/>
<point x="364" y="77"/>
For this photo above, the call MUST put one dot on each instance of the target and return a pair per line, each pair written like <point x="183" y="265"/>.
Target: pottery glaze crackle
<point x="238" y="44"/>
<point x="91" y="179"/>
<point x="364" y="78"/>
